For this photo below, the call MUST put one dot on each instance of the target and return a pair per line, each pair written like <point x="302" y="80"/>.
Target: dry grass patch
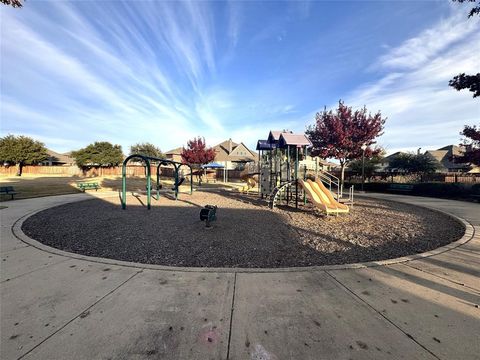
<point x="30" y="186"/>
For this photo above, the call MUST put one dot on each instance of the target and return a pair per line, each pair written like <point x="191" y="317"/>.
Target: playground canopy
<point x="213" y="165"/>
<point x="288" y="139"/>
<point x="264" y="145"/>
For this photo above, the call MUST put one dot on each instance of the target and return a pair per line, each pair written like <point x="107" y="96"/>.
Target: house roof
<point x="176" y="151"/>
<point x="224" y="152"/>
<point x="226" y="145"/>
<point x="65" y="158"/>
<point x="293" y="139"/>
<point x="392" y="156"/>
<point x="444" y="156"/>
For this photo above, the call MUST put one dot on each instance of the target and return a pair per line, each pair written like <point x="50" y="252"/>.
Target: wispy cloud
<point x="423" y="111"/>
<point x="167" y="71"/>
<point x="418" y="50"/>
<point x="119" y="87"/>
<point x="234" y="18"/>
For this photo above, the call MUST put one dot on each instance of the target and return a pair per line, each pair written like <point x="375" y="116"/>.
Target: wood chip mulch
<point x="246" y="234"/>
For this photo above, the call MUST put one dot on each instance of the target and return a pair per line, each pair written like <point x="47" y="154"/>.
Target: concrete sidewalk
<point x="59" y="307"/>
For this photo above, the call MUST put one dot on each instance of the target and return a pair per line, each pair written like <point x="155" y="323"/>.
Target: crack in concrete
<point x="41" y="267"/>
<point x="231" y="316"/>
<point x="79" y="315"/>
<point x="382" y="315"/>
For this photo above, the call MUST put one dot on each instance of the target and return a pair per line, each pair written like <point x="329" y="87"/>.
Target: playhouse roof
<point x="293" y="140"/>
<point x="274" y="136"/>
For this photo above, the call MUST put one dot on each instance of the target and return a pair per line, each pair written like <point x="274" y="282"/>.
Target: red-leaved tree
<point x="14" y="3"/>
<point x="472" y="144"/>
<point x="463" y="81"/>
<point x="340" y="134"/>
<point x="197" y="153"/>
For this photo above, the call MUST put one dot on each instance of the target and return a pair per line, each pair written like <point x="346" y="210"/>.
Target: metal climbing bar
<point x="147" y="160"/>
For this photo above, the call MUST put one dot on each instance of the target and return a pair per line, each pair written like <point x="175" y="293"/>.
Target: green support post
<point x="305" y="176"/>
<point x="124" y="186"/>
<point x="149" y="184"/>
<point x="148" y="173"/>
<point x="288" y="173"/>
<point x="158" y="181"/>
<point x="176" y="181"/>
<point x="296" y="177"/>
<point x="124" y="181"/>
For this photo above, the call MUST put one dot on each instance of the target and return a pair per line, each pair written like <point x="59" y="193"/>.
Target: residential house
<point x="234" y="155"/>
<point x="57" y="159"/>
<point x="385" y="163"/>
<point x="175" y="154"/>
<point x="442" y="156"/>
<point x="444" y="160"/>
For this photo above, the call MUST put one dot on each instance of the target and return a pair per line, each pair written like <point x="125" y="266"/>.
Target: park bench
<point x="7" y="190"/>
<point x="400" y="187"/>
<point x="88" y="186"/>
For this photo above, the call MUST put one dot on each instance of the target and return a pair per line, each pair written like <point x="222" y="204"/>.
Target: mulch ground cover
<point x="246" y="234"/>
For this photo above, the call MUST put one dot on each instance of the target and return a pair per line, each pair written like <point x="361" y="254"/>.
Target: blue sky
<point x="164" y="72"/>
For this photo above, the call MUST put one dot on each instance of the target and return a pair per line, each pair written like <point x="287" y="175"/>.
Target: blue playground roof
<point x="264" y="145"/>
<point x="212" y="165"/>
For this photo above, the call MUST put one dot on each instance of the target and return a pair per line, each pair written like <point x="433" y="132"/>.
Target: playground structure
<point x="279" y="165"/>
<point x="281" y="175"/>
<point x="147" y="161"/>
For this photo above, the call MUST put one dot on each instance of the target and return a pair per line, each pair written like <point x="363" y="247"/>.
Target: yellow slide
<point x="320" y="188"/>
<point x="318" y="200"/>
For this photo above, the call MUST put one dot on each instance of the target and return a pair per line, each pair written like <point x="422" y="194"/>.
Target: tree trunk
<point x="342" y="176"/>
<point x="19" y="167"/>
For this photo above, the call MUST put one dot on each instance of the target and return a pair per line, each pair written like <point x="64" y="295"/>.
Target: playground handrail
<point x="331" y="179"/>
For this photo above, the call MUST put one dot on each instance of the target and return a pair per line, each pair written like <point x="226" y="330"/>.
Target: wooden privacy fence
<point x="42" y="170"/>
<point x="461" y="178"/>
<point x="139" y="170"/>
<point x="132" y="170"/>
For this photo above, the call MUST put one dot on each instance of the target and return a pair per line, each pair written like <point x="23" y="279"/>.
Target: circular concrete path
<point x="57" y="305"/>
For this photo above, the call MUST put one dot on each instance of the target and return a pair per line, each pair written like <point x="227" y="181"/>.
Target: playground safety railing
<point x="350" y="196"/>
<point x="331" y="180"/>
